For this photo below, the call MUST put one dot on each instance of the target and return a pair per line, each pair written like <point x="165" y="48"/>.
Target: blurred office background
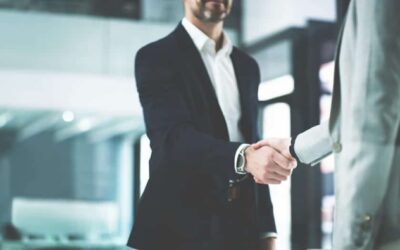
<point x="73" y="153"/>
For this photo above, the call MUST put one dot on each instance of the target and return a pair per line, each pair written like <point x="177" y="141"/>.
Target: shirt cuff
<point x="291" y="149"/>
<point x="240" y="148"/>
<point x="268" y="235"/>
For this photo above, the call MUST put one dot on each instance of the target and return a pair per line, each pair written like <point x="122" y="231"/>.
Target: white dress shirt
<point x="222" y="75"/>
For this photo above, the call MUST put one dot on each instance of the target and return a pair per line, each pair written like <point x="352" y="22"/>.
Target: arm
<point x="174" y="136"/>
<point x="314" y="144"/>
<point x="169" y="123"/>
<point x="309" y="147"/>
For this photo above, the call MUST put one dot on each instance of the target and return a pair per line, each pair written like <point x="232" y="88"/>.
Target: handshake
<point x="269" y="161"/>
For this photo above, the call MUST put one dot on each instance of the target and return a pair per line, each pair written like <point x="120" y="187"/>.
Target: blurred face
<point x="209" y="11"/>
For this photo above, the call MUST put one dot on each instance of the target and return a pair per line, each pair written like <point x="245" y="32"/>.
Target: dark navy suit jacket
<point x="185" y="205"/>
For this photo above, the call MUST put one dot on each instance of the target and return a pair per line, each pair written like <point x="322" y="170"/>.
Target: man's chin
<point x="213" y="17"/>
<point x="215" y="7"/>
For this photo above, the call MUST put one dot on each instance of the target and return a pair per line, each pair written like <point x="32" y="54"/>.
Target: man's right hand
<point x="267" y="165"/>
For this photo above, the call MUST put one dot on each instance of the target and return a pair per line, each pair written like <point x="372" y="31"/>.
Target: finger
<point x="287" y="154"/>
<point x="272" y="181"/>
<point x="262" y="143"/>
<point x="258" y="180"/>
<point x="267" y="181"/>
<point x="277" y="176"/>
<point x="280" y="170"/>
<point x="281" y="160"/>
<point x="294" y="164"/>
<point x="256" y="146"/>
<point x="281" y="146"/>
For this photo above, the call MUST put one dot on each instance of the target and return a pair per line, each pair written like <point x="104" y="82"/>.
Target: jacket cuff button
<point x="337" y="147"/>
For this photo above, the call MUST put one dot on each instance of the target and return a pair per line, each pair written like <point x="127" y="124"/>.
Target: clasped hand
<point x="269" y="161"/>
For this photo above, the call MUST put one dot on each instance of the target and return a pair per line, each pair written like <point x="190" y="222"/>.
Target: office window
<point x="277" y="87"/>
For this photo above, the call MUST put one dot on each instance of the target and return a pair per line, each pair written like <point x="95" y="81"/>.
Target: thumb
<point x="256" y="145"/>
<point x="261" y="143"/>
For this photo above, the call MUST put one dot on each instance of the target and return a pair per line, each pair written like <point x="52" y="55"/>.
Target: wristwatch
<point x="241" y="160"/>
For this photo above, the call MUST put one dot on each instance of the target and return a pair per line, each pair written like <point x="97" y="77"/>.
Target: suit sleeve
<point x="266" y="220"/>
<point x="370" y="123"/>
<point x="313" y="145"/>
<point x="174" y="137"/>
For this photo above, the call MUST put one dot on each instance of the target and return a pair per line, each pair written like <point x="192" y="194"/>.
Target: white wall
<point x="262" y="18"/>
<point x="166" y="10"/>
<point x="73" y="43"/>
<point x="79" y="92"/>
<point x="71" y="62"/>
<point x="81" y="63"/>
<point x="57" y="61"/>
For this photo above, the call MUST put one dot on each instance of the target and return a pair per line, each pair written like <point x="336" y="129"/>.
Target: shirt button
<point x="337" y="147"/>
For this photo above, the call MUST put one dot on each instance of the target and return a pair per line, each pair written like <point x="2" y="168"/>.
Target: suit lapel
<point x="336" y="104"/>
<point x="243" y="86"/>
<point x="194" y="68"/>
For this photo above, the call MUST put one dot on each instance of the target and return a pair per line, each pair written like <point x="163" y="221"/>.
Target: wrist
<point x="240" y="160"/>
<point x="247" y="153"/>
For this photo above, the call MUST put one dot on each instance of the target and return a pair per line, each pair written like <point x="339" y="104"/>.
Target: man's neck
<point x="212" y="30"/>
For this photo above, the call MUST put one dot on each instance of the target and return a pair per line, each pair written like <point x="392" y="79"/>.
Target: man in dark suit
<point x="199" y="98"/>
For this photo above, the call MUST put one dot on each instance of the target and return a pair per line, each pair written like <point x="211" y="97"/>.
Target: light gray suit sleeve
<point x="314" y="144"/>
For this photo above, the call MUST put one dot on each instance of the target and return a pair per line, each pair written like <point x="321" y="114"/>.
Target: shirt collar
<point x="205" y="43"/>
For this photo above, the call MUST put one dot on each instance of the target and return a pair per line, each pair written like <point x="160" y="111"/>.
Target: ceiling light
<point x="68" y="116"/>
<point x="84" y="125"/>
<point x="4" y="119"/>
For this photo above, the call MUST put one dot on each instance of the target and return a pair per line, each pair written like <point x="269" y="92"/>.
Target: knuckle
<point x="272" y="156"/>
